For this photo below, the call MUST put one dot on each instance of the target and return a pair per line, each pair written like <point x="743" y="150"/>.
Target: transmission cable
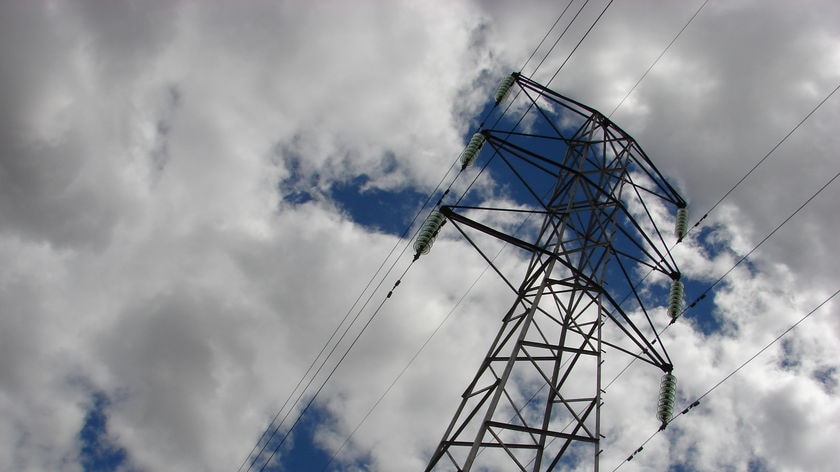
<point x="761" y="161"/>
<point x="274" y="426"/>
<point x="349" y="326"/>
<point x="591" y="27"/>
<point x="745" y="256"/>
<point x="722" y="277"/>
<point x="696" y="402"/>
<point x="562" y="34"/>
<point x="738" y="183"/>
<point x="275" y="429"/>
<point x="335" y="368"/>
<point x="338" y="327"/>
<point x="414" y="357"/>
<point x="547" y="33"/>
<point x="439" y="202"/>
<point x="737" y="263"/>
<point x="318" y="356"/>
<point x="743" y="178"/>
<point x="415" y="218"/>
<point x="657" y="59"/>
<point x="704" y="294"/>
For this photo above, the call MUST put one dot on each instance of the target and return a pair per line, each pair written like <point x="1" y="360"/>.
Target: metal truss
<point x="534" y="404"/>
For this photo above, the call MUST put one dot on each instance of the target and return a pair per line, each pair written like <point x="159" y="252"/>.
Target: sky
<point x="193" y="195"/>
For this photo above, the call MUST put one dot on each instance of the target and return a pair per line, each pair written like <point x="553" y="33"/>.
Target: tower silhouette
<point x="592" y="202"/>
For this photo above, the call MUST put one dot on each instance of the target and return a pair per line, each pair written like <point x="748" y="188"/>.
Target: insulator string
<point x="449" y="187"/>
<point x="275" y="429"/>
<point x="696" y="402"/>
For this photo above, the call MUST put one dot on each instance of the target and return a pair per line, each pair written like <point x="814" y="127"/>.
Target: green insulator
<point x="667" y="392"/>
<point x="675" y="300"/>
<point x="504" y="88"/>
<point x="682" y="223"/>
<point x="472" y="150"/>
<point x="428" y="232"/>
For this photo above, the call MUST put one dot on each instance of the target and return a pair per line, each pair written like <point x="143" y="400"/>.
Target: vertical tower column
<point x="534" y="403"/>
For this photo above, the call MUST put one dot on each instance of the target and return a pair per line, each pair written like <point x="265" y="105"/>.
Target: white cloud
<point x="148" y="253"/>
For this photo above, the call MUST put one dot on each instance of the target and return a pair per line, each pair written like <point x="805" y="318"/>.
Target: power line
<point x="761" y="161"/>
<point x="562" y="34"/>
<point x="273" y="425"/>
<point x="547" y="33"/>
<point x="721" y="278"/>
<point x="300" y="415"/>
<point x="334" y="369"/>
<point x="417" y="353"/>
<point x="407" y="366"/>
<point x="274" y="428"/>
<point x="737" y="263"/>
<point x="743" y="178"/>
<point x="696" y="402"/>
<point x="658" y="58"/>
<point x="437" y="188"/>
<point x="591" y="27"/>
<point x="745" y="256"/>
<point x="277" y="428"/>
<point x="703" y="295"/>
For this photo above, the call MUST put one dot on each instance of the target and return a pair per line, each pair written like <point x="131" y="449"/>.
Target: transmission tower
<point x="591" y="235"/>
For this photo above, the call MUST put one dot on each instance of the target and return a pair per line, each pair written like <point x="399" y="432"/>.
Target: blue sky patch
<point x="388" y="211"/>
<point x="98" y="452"/>
<point x="301" y="451"/>
<point x="699" y="314"/>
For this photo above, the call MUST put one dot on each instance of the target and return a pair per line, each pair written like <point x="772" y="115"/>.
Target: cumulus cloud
<point x="156" y="251"/>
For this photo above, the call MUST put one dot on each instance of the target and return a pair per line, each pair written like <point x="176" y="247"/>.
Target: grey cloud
<point x="146" y="248"/>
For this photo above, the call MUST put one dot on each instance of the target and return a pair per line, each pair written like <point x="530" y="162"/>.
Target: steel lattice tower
<point x="535" y="402"/>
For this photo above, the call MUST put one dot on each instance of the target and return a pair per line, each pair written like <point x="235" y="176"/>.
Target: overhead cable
<point x="334" y="369"/>
<point x="745" y="256"/>
<point x="559" y="17"/>
<point x="696" y="402"/>
<point x="655" y="61"/>
<point x="591" y="27"/>
<point x="761" y="161"/>
<point x="708" y="289"/>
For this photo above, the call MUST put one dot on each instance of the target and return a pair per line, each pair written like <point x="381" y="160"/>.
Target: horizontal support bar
<point x="538" y="431"/>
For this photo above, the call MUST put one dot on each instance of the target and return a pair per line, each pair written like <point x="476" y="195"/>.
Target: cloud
<point x="152" y="260"/>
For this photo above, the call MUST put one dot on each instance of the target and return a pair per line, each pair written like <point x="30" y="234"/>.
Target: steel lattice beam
<point x="535" y="400"/>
